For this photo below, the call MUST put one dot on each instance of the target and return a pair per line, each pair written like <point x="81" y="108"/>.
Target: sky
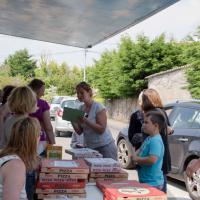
<point x="176" y="22"/>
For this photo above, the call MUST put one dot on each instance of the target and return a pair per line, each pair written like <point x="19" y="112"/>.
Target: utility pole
<point x="84" y="69"/>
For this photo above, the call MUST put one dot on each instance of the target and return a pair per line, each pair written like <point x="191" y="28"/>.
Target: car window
<point x="71" y="104"/>
<point x="57" y="100"/>
<point x="196" y="122"/>
<point x="168" y="111"/>
<point x="184" y="117"/>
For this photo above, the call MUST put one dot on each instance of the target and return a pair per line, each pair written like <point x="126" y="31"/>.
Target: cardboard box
<point x="83" y="153"/>
<point x="54" y="152"/>
<point x="59" y="191"/>
<point x="92" y="180"/>
<point x="102" y="162"/>
<point x="103" y="165"/>
<point x="64" y="166"/>
<point x="63" y="176"/>
<point x="59" y="196"/>
<point x="130" y="190"/>
<point x="121" y="174"/>
<point x="105" y="169"/>
<point x="60" y="185"/>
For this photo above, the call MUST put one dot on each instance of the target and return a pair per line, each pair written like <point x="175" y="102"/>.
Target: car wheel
<point x="123" y="154"/>
<point x="57" y="133"/>
<point x="193" y="185"/>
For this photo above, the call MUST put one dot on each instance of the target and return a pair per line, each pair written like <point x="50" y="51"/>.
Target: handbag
<point x="137" y="139"/>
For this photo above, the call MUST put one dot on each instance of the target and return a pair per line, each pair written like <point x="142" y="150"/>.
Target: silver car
<point x="63" y="125"/>
<point x="54" y="105"/>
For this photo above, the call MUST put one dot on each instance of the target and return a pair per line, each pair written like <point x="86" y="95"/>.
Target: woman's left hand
<point x="83" y="120"/>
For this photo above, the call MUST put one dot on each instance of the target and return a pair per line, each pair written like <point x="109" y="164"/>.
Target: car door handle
<point x="183" y="139"/>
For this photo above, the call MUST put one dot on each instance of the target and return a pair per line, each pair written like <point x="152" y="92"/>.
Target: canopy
<point x="79" y="23"/>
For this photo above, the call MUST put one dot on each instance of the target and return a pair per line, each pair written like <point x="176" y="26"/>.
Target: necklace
<point x="88" y="107"/>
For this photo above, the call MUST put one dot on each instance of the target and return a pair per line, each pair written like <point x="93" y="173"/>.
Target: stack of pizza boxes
<point x="129" y="190"/>
<point x="62" y="178"/>
<point x="105" y="169"/>
<point x="81" y="153"/>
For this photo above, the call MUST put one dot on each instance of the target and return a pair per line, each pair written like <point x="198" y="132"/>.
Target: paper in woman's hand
<point x="72" y="115"/>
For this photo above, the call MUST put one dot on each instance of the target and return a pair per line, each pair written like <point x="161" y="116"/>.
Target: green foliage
<point x="5" y="79"/>
<point x="105" y="74"/>
<point x="122" y="73"/>
<point x="59" y="79"/>
<point x="21" y="64"/>
<point x="194" y="37"/>
<point x="192" y="55"/>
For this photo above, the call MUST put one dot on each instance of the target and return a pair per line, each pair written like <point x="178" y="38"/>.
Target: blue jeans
<point x="31" y="181"/>
<point x="164" y="189"/>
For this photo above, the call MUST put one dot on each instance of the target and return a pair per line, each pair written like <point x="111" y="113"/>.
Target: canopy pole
<point x="84" y="68"/>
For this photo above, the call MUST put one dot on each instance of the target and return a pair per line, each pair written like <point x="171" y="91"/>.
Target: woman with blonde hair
<point x="149" y="100"/>
<point x="18" y="156"/>
<point x="21" y="102"/>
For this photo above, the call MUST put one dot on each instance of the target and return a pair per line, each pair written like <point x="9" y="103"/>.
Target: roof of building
<point x="167" y="71"/>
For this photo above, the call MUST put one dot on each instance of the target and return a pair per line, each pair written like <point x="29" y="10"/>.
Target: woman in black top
<point x="149" y="99"/>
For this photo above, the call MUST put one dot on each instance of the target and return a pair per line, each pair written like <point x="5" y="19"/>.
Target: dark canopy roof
<point x="79" y="23"/>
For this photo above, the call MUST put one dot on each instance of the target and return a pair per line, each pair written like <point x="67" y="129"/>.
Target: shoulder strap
<point x="5" y="159"/>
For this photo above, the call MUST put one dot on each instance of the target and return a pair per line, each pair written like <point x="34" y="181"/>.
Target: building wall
<point x="171" y="85"/>
<point x="121" y="109"/>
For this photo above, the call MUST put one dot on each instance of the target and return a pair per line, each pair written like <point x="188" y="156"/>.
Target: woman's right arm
<point x="13" y="173"/>
<point x="77" y="128"/>
<point x="48" y="127"/>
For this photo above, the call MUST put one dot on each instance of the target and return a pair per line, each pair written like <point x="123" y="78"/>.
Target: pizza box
<point x="64" y="166"/>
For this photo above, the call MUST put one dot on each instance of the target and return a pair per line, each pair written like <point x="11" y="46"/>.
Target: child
<point x="150" y="155"/>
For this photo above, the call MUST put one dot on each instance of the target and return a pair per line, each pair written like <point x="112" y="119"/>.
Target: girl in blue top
<point x="150" y="155"/>
<point x="97" y="136"/>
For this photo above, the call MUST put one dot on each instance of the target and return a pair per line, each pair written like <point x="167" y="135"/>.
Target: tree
<point x="122" y="73"/>
<point x="5" y="79"/>
<point x="192" y="57"/>
<point x="61" y="77"/>
<point x="21" y="63"/>
<point x="194" y="37"/>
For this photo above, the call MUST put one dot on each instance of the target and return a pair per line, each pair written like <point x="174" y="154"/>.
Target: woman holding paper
<point x="93" y="125"/>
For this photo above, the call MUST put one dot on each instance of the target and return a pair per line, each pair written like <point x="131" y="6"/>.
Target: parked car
<point x="63" y="125"/>
<point x="54" y="105"/>
<point x="184" y="143"/>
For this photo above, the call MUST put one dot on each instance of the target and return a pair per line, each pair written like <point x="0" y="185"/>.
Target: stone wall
<point x="121" y="109"/>
<point x="171" y="85"/>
